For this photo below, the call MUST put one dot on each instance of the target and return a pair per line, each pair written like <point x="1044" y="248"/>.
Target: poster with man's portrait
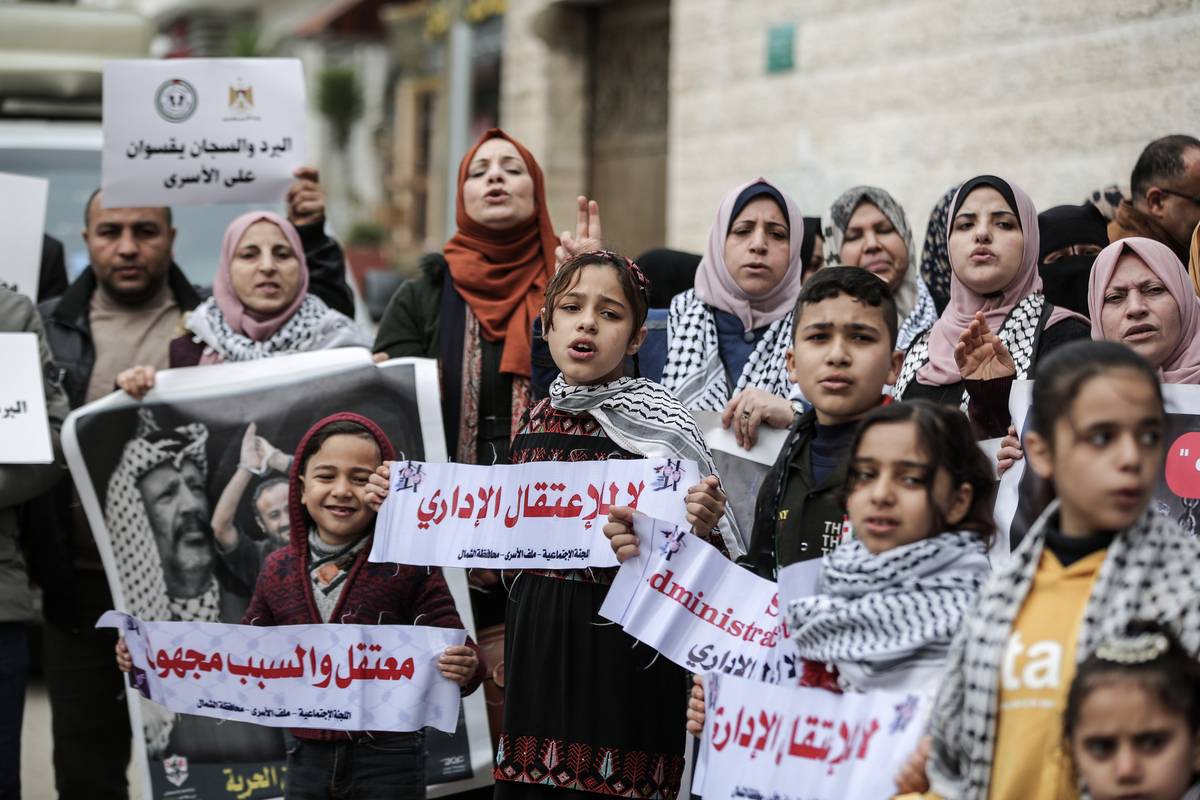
<point x="187" y="494"/>
<point x="1023" y="494"/>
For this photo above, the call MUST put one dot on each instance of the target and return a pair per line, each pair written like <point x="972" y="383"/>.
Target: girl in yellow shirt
<point x="1095" y="560"/>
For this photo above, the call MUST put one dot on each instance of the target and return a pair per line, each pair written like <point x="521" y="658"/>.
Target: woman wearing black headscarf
<point x="1071" y="238"/>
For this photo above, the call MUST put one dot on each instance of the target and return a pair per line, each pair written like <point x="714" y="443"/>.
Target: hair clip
<point x="639" y="277"/>
<point x="1133" y="649"/>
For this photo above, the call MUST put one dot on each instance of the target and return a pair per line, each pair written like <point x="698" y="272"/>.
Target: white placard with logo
<point x="24" y="427"/>
<point x="201" y="130"/>
<point x="22" y="220"/>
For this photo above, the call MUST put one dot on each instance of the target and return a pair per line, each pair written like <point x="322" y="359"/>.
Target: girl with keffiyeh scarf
<point x="889" y="602"/>
<point x="1097" y="559"/>
<point x="584" y="709"/>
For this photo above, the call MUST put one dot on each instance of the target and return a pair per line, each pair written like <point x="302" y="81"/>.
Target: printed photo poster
<point x="192" y="131"/>
<point x="742" y="471"/>
<point x="1023" y="495"/>
<point x="183" y="533"/>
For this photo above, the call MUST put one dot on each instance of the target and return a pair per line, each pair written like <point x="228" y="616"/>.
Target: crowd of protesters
<point x="1065" y="669"/>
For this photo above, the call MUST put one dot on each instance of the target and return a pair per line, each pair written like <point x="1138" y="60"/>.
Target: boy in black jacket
<point x="842" y="356"/>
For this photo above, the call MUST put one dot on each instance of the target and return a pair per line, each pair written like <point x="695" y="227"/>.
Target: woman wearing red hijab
<point x="473" y="306"/>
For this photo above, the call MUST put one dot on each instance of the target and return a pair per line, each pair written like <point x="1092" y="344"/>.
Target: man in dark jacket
<point x="123" y="310"/>
<point x="1166" y="195"/>
<point x="19" y="483"/>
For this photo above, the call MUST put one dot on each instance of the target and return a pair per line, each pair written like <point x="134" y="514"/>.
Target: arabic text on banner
<point x="542" y="514"/>
<point x="334" y="677"/>
<point x="698" y="608"/>
<point x="788" y="743"/>
<point x="24" y="426"/>
<point x="197" y="131"/>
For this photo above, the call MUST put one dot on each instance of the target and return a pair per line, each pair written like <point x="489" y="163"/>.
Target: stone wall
<point x="911" y="95"/>
<point x="915" y="95"/>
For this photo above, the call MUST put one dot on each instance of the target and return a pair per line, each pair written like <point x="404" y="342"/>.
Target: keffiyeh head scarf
<point x="135" y="551"/>
<point x="716" y="287"/>
<point x="914" y="304"/>
<point x="965" y="302"/>
<point x="1182" y="365"/>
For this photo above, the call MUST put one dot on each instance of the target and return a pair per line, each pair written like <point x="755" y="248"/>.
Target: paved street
<point x="37" y="773"/>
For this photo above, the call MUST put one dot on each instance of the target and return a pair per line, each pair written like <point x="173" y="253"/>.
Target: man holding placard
<point x="30" y="403"/>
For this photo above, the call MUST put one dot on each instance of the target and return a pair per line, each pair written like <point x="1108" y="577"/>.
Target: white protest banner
<point x="742" y="471"/>
<point x="193" y="131"/>
<point x="541" y="514"/>
<point x="698" y="608"/>
<point x="24" y="426"/>
<point x="790" y="743"/>
<point x="22" y="221"/>
<point x="333" y="677"/>
<point x="1021" y="497"/>
<point x="209" y="411"/>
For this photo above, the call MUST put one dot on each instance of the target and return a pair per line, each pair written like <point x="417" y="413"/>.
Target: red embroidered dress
<point x="585" y="706"/>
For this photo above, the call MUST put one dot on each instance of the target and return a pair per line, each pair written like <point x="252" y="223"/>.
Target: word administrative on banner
<point x="698" y="608"/>
<point x="198" y="130"/>
<point x="24" y="426"/>
<point x="335" y="677"/>
<point x="187" y="437"/>
<point x="22" y="220"/>
<point x="521" y="516"/>
<point x="789" y="743"/>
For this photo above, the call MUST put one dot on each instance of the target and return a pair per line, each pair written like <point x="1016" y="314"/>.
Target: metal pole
<point x="458" y="96"/>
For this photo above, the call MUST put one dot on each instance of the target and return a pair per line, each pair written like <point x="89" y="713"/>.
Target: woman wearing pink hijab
<point x="997" y="323"/>
<point x="729" y="336"/>
<point x="260" y="305"/>
<point x="1140" y="295"/>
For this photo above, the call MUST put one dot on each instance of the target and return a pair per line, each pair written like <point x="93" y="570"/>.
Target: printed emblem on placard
<point x="176" y="769"/>
<point x="669" y="475"/>
<point x="175" y="100"/>
<point x="241" y="98"/>
<point x="673" y="543"/>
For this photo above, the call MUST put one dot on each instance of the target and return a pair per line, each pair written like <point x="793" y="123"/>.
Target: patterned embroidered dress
<point x="585" y="707"/>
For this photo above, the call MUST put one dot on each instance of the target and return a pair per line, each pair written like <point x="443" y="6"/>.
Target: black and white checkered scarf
<point x="644" y="418"/>
<point x="1151" y="572"/>
<point x="876" y="616"/>
<point x="694" y="371"/>
<point x="314" y="326"/>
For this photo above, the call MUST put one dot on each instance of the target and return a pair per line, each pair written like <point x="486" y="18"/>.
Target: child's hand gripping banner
<point x="788" y="743"/>
<point x="536" y="515"/>
<point x="332" y="677"/>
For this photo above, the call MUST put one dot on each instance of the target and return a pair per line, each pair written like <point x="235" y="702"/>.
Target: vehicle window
<point x="74" y="174"/>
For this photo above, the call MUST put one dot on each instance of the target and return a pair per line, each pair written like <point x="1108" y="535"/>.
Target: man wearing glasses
<point x="1166" y="195"/>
